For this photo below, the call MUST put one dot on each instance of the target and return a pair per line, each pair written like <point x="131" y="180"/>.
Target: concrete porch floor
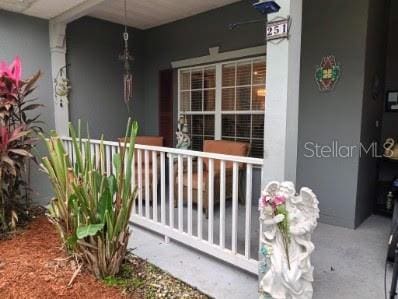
<point x="348" y="263"/>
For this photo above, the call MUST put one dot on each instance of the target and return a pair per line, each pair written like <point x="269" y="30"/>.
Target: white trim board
<point x="216" y="56"/>
<point x="76" y="12"/>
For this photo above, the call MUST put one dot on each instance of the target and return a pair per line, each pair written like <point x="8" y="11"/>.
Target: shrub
<point x="17" y="140"/>
<point x="91" y="209"/>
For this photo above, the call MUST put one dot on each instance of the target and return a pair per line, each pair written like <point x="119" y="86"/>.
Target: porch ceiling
<point x="152" y="13"/>
<point x="45" y="9"/>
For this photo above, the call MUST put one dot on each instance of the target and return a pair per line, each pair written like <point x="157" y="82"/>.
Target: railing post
<point x="222" y="204"/>
<point x="154" y="186"/>
<point x="139" y="159"/>
<point x="162" y="188"/>
<point x="235" y="174"/>
<point x="180" y="192"/>
<point x="210" y="203"/>
<point x="248" y="218"/>
<point x="146" y="175"/>
<point x="189" y="195"/>
<point x="200" y="198"/>
<point x="171" y="190"/>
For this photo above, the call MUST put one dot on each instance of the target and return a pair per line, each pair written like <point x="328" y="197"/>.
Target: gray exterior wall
<point x="95" y="72"/>
<point x="337" y="28"/>
<point x="372" y="107"/>
<point x="28" y="37"/>
<point x="390" y="120"/>
<point x="192" y="37"/>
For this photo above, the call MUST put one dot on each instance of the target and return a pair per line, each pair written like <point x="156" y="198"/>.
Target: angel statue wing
<point x="271" y="188"/>
<point x="309" y="205"/>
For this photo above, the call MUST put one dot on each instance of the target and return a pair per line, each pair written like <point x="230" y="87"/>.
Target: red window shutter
<point x="166" y="106"/>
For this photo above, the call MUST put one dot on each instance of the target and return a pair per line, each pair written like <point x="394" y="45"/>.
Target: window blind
<point x="198" y="102"/>
<point x="238" y="112"/>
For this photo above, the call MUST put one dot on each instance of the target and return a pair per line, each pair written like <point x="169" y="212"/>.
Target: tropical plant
<point x="91" y="209"/>
<point x="17" y="140"/>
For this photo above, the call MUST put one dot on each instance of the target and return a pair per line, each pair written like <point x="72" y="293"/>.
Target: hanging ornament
<point x="126" y="58"/>
<point x="61" y="87"/>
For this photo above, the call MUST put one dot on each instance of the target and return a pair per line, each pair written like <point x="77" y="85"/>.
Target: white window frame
<point x="218" y="98"/>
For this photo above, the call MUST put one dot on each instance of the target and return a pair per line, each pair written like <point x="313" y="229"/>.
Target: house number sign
<point x="277" y="29"/>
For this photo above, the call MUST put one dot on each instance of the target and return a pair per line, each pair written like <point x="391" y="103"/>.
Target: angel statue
<point x="183" y="140"/>
<point x="287" y="222"/>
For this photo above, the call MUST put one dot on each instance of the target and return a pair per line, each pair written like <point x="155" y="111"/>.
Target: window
<point x="198" y="102"/>
<point x="225" y="101"/>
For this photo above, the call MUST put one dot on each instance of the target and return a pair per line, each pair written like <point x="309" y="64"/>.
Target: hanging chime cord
<point x="126" y="35"/>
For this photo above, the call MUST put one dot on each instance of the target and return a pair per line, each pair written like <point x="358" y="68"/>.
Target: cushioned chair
<point x="219" y="147"/>
<point x="145" y="140"/>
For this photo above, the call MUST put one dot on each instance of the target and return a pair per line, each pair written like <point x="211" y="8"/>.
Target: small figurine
<point x="183" y="139"/>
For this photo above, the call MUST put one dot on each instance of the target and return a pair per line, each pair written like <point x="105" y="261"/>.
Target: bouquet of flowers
<point x="274" y="203"/>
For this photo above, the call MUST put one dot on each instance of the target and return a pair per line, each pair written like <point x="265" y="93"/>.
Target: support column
<point x="58" y="61"/>
<point x="282" y="100"/>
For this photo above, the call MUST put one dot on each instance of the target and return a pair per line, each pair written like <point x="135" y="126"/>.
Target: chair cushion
<point x="150" y="140"/>
<point x="195" y="181"/>
<point x="226" y="148"/>
<point x="145" y="140"/>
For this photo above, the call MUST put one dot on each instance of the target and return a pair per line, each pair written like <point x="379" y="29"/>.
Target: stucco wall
<point x="28" y="38"/>
<point x="334" y="28"/>
<point x="96" y="74"/>
<point x="372" y="108"/>
<point x="192" y="37"/>
<point x="390" y="120"/>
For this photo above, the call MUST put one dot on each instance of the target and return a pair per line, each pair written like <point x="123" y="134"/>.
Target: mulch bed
<point x="33" y="265"/>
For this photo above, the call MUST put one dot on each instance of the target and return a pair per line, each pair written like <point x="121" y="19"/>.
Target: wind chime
<point x="126" y="58"/>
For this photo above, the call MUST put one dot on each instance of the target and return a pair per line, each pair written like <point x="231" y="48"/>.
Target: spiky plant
<point x="18" y="128"/>
<point x="91" y="209"/>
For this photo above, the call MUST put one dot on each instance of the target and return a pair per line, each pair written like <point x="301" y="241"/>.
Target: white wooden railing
<point x="162" y="196"/>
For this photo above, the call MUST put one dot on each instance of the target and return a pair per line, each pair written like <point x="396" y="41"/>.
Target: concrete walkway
<point x="348" y="263"/>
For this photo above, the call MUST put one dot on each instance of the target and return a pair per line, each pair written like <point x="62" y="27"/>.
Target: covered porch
<point x="229" y="85"/>
<point x="205" y="199"/>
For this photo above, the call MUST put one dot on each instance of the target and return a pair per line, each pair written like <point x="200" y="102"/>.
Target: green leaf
<point x="76" y="148"/>
<point x="88" y="230"/>
<point x="105" y="200"/>
<point x="72" y="199"/>
<point x="117" y="160"/>
<point x="71" y="241"/>
<point x="112" y="184"/>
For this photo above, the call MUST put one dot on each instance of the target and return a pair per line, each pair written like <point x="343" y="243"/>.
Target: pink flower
<point x="263" y="201"/>
<point x="13" y="71"/>
<point x="279" y="200"/>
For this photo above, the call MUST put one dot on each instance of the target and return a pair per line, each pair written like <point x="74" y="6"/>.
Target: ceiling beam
<point x="76" y="12"/>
